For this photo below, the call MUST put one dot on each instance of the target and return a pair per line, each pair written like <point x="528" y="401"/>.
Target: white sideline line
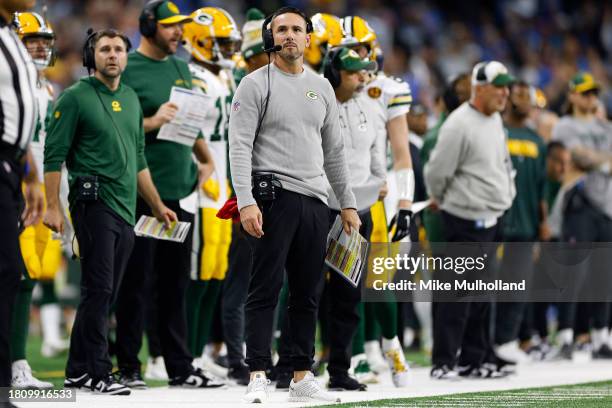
<point x="536" y="375"/>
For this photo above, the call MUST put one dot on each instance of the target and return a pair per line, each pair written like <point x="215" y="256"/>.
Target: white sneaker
<point x="53" y="349"/>
<point x="512" y="352"/>
<point x="257" y="390"/>
<point x="396" y="362"/>
<point x="375" y="357"/>
<point x="207" y="364"/>
<point x="309" y="390"/>
<point x="22" y="377"/>
<point x="361" y="370"/>
<point x="156" y="369"/>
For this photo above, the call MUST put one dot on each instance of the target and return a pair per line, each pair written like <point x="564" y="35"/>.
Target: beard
<point x="164" y="45"/>
<point x="107" y="73"/>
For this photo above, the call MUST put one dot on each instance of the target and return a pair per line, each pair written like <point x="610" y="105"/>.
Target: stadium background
<point x="425" y="42"/>
<point x="544" y="42"/>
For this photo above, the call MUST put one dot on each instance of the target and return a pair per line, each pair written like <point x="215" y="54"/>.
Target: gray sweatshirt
<point x="470" y="173"/>
<point x="300" y="138"/>
<point x="595" y="135"/>
<point x="362" y="149"/>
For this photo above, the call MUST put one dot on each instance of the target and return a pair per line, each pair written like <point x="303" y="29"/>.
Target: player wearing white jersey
<point x="394" y="97"/>
<point x="212" y="38"/>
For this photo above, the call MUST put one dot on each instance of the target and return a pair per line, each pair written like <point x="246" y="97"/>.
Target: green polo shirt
<point x="528" y="155"/>
<point x="97" y="131"/>
<point x="171" y="164"/>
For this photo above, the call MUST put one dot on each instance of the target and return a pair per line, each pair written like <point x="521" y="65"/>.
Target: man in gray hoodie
<point x="470" y="177"/>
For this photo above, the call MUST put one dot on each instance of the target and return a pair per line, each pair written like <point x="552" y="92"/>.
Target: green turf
<point x="598" y="394"/>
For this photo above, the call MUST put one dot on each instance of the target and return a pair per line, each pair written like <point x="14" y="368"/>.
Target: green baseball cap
<point x="168" y="13"/>
<point x="348" y="60"/>
<point x="583" y="82"/>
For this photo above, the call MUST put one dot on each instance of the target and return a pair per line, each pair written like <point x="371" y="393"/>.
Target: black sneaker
<point x="109" y="386"/>
<point x="345" y="383"/>
<point x="78" y="383"/>
<point x="222" y="361"/>
<point x="132" y="379"/>
<point x="239" y="374"/>
<point x="604" y="352"/>
<point x="484" y="371"/>
<point x="564" y="353"/>
<point x="196" y="379"/>
<point x="443" y="373"/>
<point x="283" y="379"/>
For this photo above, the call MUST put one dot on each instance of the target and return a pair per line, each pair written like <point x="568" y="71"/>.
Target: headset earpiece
<point x="266" y="28"/>
<point x="89" y="60"/>
<point x="89" y="57"/>
<point x="147" y="23"/>
<point x="329" y="68"/>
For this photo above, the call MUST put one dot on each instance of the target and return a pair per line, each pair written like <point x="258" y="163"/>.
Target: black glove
<point x="402" y="224"/>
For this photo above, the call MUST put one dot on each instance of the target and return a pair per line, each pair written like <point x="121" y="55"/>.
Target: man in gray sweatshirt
<point x="284" y="134"/>
<point x="470" y="177"/>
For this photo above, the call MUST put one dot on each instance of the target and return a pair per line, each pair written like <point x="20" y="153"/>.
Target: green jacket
<point x="97" y="131"/>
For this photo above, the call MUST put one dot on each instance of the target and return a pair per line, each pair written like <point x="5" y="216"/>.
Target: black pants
<point x="343" y="315"/>
<point x="584" y="223"/>
<point x="462" y="325"/>
<point x="516" y="264"/>
<point x="235" y="290"/>
<point x="295" y="231"/>
<point x="105" y="244"/>
<point x="167" y="264"/>
<point x="11" y="262"/>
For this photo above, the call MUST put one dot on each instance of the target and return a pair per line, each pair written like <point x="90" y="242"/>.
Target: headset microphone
<point x="275" y="48"/>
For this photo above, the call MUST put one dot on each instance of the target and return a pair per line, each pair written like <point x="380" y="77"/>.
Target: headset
<point x="269" y="47"/>
<point x="330" y="71"/>
<point x="266" y="32"/>
<point x="147" y="22"/>
<point x="89" y="59"/>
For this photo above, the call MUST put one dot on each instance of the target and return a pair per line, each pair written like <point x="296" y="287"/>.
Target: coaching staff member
<point x="97" y="129"/>
<point x="284" y="131"/>
<point x="470" y="175"/>
<point x="152" y="72"/>
<point x="18" y="114"/>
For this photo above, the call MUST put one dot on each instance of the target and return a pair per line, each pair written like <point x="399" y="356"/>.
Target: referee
<point x="18" y="113"/>
<point x="297" y="143"/>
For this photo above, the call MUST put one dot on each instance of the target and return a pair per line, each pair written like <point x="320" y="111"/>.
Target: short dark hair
<point x="554" y="145"/>
<point x="110" y="33"/>
<point x="520" y="83"/>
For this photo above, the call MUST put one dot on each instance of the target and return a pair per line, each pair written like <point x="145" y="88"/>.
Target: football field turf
<point x="539" y="385"/>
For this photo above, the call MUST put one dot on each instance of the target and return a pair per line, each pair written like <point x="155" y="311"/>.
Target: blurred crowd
<point x="544" y="42"/>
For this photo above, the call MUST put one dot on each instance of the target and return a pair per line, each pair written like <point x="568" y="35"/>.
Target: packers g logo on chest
<point x="116" y="106"/>
<point x="312" y="95"/>
<point x="374" y="92"/>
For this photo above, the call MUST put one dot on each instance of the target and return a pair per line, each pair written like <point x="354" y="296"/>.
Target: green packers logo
<point x="116" y="106"/>
<point x="312" y="95"/>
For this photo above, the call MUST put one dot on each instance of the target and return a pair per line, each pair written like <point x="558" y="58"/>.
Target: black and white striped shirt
<point x="17" y="84"/>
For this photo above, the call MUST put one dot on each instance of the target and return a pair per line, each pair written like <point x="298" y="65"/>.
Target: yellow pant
<point x="380" y="236"/>
<point x="215" y="235"/>
<point x="41" y="254"/>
